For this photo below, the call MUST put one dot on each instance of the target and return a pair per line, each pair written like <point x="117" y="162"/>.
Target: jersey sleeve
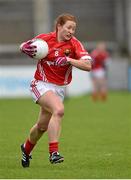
<point x="80" y="51"/>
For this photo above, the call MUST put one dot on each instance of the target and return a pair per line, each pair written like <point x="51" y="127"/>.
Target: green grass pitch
<point x="95" y="139"/>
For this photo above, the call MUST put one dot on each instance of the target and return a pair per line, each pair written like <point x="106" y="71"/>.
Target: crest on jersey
<point x="67" y="52"/>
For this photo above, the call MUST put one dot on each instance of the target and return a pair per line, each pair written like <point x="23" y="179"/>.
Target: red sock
<point x="28" y="146"/>
<point x="103" y="96"/>
<point x="94" y="96"/>
<point x="53" y="147"/>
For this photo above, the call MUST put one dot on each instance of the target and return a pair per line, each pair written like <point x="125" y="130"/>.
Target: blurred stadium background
<point x="103" y="20"/>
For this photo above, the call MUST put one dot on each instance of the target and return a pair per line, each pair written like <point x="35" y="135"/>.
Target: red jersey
<point x="47" y="70"/>
<point x="99" y="58"/>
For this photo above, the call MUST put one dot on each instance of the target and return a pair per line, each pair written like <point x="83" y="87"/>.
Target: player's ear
<point x="59" y="26"/>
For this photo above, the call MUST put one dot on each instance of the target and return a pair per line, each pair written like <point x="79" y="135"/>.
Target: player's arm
<point x="83" y="64"/>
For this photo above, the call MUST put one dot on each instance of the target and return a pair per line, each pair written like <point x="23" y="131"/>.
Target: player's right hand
<point x="28" y="49"/>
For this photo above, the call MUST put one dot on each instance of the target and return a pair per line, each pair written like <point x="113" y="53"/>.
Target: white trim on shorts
<point x="98" y="73"/>
<point x="39" y="88"/>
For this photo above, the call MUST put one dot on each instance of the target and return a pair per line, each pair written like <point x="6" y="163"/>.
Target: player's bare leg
<point x="95" y="93"/>
<point x="40" y="127"/>
<point x="103" y="89"/>
<point x="56" y="107"/>
<point x="35" y="133"/>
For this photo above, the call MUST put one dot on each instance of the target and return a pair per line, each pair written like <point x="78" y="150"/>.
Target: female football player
<point x="99" y="69"/>
<point x="52" y="75"/>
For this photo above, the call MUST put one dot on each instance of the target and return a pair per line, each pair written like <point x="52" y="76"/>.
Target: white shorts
<point x="98" y="73"/>
<point x="38" y="88"/>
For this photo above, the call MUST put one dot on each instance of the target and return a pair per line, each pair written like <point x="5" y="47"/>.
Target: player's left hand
<point x="60" y="61"/>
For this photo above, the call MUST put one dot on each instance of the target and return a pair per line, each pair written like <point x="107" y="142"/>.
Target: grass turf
<point x="95" y="139"/>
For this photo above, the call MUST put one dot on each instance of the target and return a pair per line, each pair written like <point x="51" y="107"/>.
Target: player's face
<point x="66" y="31"/>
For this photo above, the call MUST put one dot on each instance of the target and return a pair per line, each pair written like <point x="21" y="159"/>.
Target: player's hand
<point x="60" y="61"/>
<point x="28" y="49"/>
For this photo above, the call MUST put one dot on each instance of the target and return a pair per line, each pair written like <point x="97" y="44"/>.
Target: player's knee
<point x="59" y="111"/>
<point x="42" y="127"/>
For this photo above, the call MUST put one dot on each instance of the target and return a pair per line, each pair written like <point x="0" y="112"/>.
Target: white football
<point x="42" y="49"/>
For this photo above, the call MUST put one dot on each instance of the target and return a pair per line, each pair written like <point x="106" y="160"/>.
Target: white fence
<point x="15" y="81"/>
